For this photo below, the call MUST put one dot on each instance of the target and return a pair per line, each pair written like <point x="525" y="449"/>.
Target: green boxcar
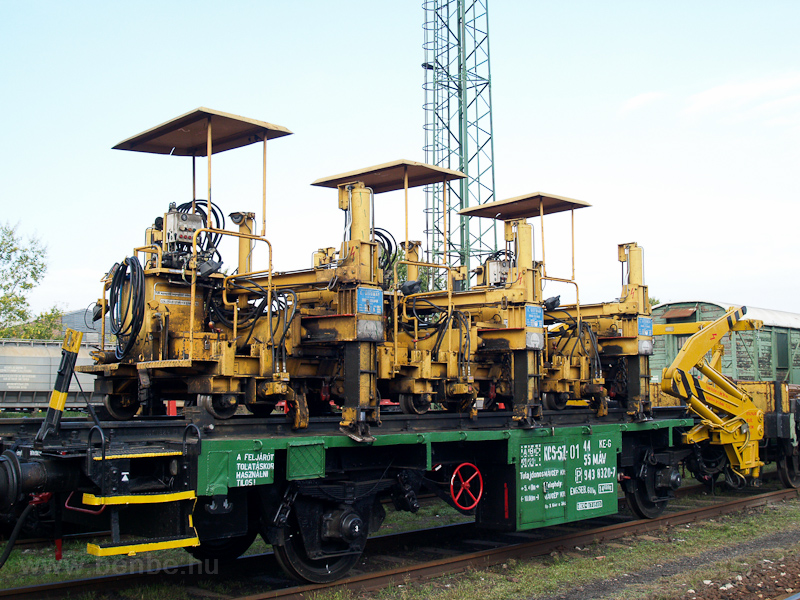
<point x="769" y="354"/>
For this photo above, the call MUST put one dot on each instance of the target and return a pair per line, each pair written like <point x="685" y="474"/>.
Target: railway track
<point x="493" y="556"/>
<point x="410" y="556"/>
<point x="29" y="543"/>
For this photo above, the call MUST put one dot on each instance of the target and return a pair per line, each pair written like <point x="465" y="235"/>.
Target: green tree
<point x="22" y="267"/>
<point x="654" y="301"/>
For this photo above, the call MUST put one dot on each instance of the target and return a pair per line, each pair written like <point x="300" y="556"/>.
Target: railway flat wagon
<point x="28" y="370"/>
<point x="212" y="486"/>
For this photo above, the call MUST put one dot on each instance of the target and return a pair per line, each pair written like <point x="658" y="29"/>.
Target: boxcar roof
<point x="771" y="318"/>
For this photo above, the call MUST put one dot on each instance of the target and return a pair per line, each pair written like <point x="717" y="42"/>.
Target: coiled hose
<point x="126" y="305"/>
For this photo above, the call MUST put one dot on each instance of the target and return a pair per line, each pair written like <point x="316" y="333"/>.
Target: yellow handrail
<point x="394" y="307"/>
<point x="268" y="271"/>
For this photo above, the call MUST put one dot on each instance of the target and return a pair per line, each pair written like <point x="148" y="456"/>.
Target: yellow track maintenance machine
<point x="348" y="332"/>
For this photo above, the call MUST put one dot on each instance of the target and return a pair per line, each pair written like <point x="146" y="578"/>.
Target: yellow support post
<point x="58" y="398"/>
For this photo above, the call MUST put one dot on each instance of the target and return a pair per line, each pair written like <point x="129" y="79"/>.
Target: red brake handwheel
<point x="466" y="486"/>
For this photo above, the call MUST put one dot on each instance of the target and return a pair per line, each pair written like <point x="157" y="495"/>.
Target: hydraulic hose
<point x="15" y="534"/>
<point x="126" y="308"/>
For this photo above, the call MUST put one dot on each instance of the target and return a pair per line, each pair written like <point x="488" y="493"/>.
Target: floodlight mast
<point x="458" y="130"/>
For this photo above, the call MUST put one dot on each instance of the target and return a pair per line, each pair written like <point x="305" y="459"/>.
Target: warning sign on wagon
<point x="252" y="468"/>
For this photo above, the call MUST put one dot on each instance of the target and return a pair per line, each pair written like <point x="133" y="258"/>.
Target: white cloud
<point x="639" y="101"/>
<point x="786" y="121"/>
<point x="790" y="102"/>
<point x="764" y="92"/>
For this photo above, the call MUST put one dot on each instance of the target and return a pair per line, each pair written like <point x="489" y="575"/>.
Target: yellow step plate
<point x="92" y="500"/>
<point x="140" y="455"/>
<point x="133" y="549"/>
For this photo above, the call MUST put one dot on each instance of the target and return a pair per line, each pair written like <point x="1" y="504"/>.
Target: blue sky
<point x="679" y="122"/>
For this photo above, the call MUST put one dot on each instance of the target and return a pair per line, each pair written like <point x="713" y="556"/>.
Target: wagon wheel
<point x="708" y="464"/>
<point x="225" y="551"/>
<point x="789" y="470"/>
<point x="415" y="404"/>
<point x="465" y="490"/>
<point x="639" y="499"/>
<point x="221" y="406"/>
<point x="121" y="406"/>
<point x="555" y="400"/>
<point x="262" y="409"/>
<point x="294" y="559"/>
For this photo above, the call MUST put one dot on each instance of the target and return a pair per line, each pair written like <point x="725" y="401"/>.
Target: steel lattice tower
<point x="458" y="128"/>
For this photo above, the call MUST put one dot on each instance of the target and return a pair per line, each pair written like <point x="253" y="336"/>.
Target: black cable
<point x="126" y="311"/>
<point x="389" y="245"/>
<point x="248" y="316"/>
<point x="89" y="327"/>
<point x="259" y="312"/>
<point x="575" y="345"/>
<point x="425" y="321"/>
<point x="15" y="534"/>
<point x="89" y="406"/>
<point x="440" y="336"/>
<point x="287" y="321"/>
<point x="502" y="252"/>
<point x="561" y="310"/>
<point x="468" y="343"/>
<point x="595" y="356"/>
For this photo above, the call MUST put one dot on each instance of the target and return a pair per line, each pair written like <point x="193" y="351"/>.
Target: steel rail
<point x="245" y="564"/>
<point x="447" y="566"/>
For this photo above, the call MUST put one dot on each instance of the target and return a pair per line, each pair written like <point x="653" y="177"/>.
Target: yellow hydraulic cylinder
<point x="412" y="255"/>
<point x="635" y="265"/>
<point x="245" y="263"/>
<point x="356" y="197"/>
<point x="633" y="288"/>
<point x="721" y="382"/>
<point x="245" y="244"/>
<point x="525" y="257"/>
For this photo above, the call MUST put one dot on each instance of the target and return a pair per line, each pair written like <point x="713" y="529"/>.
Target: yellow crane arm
<point x="697" y="346"/>
<point x="690" y="328"/>
<point x="728" y="416"/>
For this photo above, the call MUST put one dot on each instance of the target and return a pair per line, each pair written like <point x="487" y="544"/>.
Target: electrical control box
<point x="497" y="271"/>
<point x="179" y="228"/>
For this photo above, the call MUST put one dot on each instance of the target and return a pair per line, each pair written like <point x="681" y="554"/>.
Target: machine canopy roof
<point x="187" y="135"/>
<point x="523" y="207"/>
<point x="389" y="176"/>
